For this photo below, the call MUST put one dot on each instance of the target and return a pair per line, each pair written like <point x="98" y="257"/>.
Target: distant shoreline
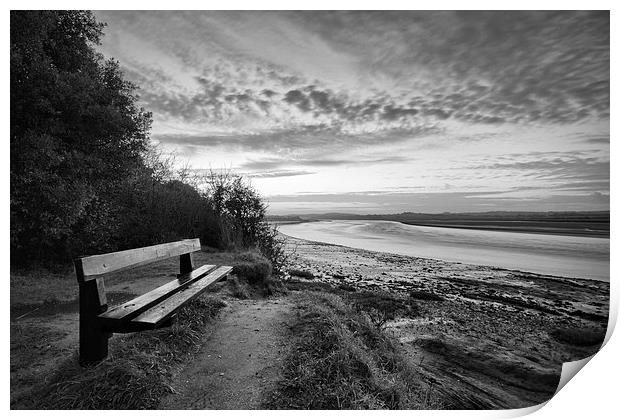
<point x="491" y="267"/>
<point x="525" y="229"/>
<point x="541" y="230"/>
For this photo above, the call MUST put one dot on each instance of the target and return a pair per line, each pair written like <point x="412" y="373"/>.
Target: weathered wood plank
<point x="142" y="303"/>
<point x="155" y="316"/>
<point x="94" y="266"/>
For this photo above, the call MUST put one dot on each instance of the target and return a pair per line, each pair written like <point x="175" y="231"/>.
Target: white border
<point x="593" y="394"/>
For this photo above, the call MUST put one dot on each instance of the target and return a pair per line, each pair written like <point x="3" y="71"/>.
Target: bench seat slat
<point x="159" y="313"/>
<point x="142" y="303"/>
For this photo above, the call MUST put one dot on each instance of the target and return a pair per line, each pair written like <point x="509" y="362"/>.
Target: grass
<point x="238" y="288"/>
<point x="144" y="360"/>
<point x="253" y="267"/>
<point x="341" y="360"/>
<point x="254" y="273"/>
<point x="135" y="375"/>
<point x="315" y="286"/>
<point x="39" y="285"/>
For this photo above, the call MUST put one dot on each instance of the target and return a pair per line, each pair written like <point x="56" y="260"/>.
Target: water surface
<point x="559" y="255"/>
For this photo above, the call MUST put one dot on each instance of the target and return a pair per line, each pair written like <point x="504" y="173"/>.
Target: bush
<point x="254" y="268"/>
<point x="382" y="307"/>
<point x="242" y="217"/>
<point x="273" y="246"/>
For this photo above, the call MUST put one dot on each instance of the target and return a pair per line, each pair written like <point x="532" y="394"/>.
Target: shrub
<point x="273" y="246"/>
<point x="382" y="307"/>
<point x="253" y="267"/>
<point x="242" y="217"/>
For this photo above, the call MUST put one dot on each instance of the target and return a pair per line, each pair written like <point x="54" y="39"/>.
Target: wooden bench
<point x="154" y="309"/>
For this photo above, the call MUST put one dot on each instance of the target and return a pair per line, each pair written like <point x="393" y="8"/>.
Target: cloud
<point x="396" y="202"/>
<point x="290" y="93"/>
<point x="550" y="172"/>
<point x="278" y="174"/>
<point x="326" y="102"/>
<point x="480" y="67"/>
<point x="484" y="66"/>
<point x="298" y="98"/>
<point x="304" y="140"/>
<point x="598" y="140"/>
<point x="271" y="163"/>
<point x="556" y="167"/>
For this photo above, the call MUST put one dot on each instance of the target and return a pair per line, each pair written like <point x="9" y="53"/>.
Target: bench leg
<point x="169" y="322"/>
<point x="93" y="339"/>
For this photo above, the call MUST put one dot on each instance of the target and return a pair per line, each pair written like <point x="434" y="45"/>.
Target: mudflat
<point x="486" y="337"/>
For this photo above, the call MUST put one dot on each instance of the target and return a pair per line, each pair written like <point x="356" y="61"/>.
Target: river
<point x="559" y="255"/>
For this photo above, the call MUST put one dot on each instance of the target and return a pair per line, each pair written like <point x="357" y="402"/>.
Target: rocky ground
<point x="485" y="337"/>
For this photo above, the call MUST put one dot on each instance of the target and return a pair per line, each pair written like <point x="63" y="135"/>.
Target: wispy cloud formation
<point x="424" y="96"/>
<point x="318" y="162"/>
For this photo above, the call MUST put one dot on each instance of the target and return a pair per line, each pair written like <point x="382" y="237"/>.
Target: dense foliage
<point x="84" y="178"/>
<point x="76" y="134"/>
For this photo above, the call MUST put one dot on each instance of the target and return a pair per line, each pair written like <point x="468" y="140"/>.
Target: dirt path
<point x="240" y="361"/>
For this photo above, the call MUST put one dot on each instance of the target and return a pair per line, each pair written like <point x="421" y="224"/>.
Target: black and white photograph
<point x="306" y="209"/>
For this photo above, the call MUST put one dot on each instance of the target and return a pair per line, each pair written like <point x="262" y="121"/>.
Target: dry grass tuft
<point x="256" y="270"/>
<point x="340" y="360"/>
<point x="238" y="287"/>
<point x="253" y="267"/>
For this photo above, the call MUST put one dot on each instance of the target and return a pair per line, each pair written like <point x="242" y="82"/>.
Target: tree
<point x="241" y="212"/>
<point x="238" y="203"/>
<point x="84" y="177"/>
<point x="76" y="134"/>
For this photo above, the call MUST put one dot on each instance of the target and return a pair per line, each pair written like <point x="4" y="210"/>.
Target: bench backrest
<point x="94" y="266"/>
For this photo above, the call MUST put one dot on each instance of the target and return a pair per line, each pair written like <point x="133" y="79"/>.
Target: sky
<point x="380" y="112"/>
